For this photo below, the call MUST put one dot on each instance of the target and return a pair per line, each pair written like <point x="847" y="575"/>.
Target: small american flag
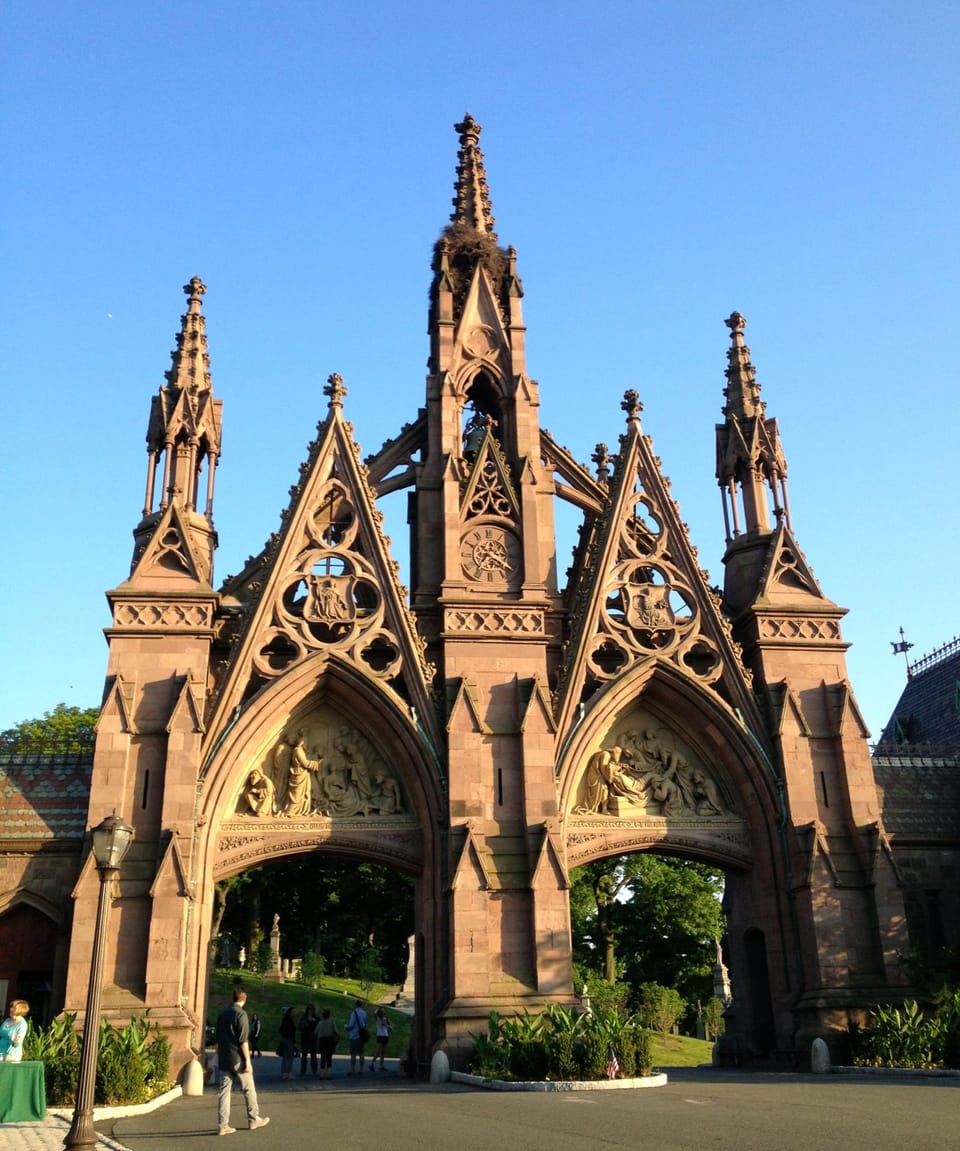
<point x="613" y="1067"/>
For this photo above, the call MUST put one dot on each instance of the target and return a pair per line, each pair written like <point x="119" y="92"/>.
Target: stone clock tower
<point x="484" y="590"/>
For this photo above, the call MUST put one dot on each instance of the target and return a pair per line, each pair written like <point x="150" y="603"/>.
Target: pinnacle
<point x="471" y="204"/>
<point x="742" y="390"/>
<point x="190" y="369"/>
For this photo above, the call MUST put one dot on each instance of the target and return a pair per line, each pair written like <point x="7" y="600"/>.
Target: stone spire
<point x="185" y="419"/>
<point x="471" y="204"/>
<point x="749" y="456"/>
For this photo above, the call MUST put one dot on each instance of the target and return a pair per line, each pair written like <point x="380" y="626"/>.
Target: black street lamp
<point x="111" y="838"/>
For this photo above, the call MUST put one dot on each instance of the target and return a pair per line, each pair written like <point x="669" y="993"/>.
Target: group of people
<point x="318" y="1037"/>
<point x="238" y="1040"/>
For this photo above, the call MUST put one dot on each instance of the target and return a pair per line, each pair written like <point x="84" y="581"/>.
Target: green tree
<point x="63" y="729"/>
<point x="648" y="919"/>
<point x="660" y="1007"/>
<point x="338" y="908"/>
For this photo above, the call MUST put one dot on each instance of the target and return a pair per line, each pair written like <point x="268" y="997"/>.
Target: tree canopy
<point x="63" y="729"/>
<point x="648" y="919"/>
<point x="353" y="914"/>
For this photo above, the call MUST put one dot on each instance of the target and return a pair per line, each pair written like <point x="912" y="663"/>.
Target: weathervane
<point x="902" y="646"/>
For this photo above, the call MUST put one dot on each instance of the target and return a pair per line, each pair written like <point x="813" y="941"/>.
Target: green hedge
<point x="133" y="1063"/>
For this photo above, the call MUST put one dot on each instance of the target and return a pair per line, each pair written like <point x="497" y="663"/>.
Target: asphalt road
<point x="696" y="1111"/>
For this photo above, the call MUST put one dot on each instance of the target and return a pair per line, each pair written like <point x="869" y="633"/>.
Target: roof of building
<point x="44" y="797"/>
<point x="927" y="715"/>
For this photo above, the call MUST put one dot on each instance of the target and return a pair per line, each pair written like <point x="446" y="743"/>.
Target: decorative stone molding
<point x="163" y="614"/>
<point x="494" y="621"/>
<point x="790" y="628"/>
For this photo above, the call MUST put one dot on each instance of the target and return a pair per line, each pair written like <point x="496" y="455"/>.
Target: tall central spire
<point x="471" y="204"/>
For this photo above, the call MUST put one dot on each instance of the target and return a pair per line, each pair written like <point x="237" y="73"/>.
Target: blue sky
<point x="656" y="165"/>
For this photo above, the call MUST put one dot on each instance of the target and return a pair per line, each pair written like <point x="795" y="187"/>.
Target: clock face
<point x="490" y="554"/>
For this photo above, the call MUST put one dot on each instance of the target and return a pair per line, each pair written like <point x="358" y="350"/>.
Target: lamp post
<point x="111" y="838"/>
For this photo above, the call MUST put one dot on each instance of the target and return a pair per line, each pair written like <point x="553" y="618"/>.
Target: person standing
<point x="288" y="1039"/>
<point x="255" y="1028"/>
<point x="13" y="1031"/>
<point x="358" y="1035"/>
<point x="383" y="1035"/>
<point x="236" y="1068"/>
<point x="308" y="1039"/>
<point x="327" y="1036"/>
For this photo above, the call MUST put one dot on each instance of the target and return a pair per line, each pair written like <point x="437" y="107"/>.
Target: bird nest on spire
<point x="466" y="248"/>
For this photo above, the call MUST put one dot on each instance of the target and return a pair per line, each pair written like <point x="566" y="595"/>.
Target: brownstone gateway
<point x="499" y="725"/>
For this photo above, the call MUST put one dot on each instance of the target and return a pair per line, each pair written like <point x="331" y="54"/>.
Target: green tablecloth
<point x="23" y="1097"/>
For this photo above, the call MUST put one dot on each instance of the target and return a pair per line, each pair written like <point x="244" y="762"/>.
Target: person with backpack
<point x="358" y="1035"/>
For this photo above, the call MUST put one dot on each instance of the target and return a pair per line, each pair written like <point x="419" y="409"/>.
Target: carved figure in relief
<point x="299" y="800"/>
<point x="706" y="795"/>
<point x="605" y="776"/>
<point x="258" y="795"/>
<point x="389" y="800"/>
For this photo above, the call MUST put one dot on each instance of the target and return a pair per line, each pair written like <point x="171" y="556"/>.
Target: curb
<point x="659" y="1080"/>
<point x="897" y="1072"/>
<point x="121" y="1112"/>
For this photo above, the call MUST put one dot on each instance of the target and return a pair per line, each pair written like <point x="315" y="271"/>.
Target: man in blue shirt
<point x="236" y="1069"/>
<point x="358" y="1035"/>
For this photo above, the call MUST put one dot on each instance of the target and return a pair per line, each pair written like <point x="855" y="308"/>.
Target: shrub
<point x="561" y="1044"/>
<point x="133" y="1064"/>
<point x="312" y="969"/>
<point x="660" y="1007"/>
<point x="902" y="1037"/>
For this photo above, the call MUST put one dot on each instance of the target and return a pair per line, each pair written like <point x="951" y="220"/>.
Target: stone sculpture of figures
<point x="258" y="795"/>
<point x="641" y="770"/>
<point x="295" y="782"/>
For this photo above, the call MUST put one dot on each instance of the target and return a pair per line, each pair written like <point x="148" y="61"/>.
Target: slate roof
<point x="917" y="761"/>
<point x="44" y="797"/>
<point x="928" y="711"/>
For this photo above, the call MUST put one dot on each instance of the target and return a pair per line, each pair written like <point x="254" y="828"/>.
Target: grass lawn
<point x="339" y="995"/>
<point x="680" y="1051"/>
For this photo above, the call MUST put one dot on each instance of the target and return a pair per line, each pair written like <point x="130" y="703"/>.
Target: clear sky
<point x="656" y="164"/>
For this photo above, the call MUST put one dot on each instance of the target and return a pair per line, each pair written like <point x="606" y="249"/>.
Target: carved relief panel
<point x="320" y="768"/>
<point x="645" y="769"/>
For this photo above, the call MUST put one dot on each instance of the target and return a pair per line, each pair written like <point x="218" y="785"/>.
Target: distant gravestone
<point x="820" y="1062"/>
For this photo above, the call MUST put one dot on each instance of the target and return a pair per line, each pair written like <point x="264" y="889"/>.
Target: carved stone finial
<point x="469" y="130"/>
<point x="631" y="405"/>
<point x="335" y="390"/>
<point x="601" y="457"/>
<point x="736" y="323"/>
<point x="195" y="289"/>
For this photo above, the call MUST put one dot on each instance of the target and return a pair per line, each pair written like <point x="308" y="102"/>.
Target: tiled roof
<point x="920" y="794"/>
<point x="44" y="796"/>
<point x="928" y="711"/>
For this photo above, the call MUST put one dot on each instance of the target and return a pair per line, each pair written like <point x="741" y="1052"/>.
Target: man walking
<point x="236" y="1068"/>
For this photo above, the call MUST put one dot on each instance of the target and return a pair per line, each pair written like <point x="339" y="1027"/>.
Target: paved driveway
<point x="696" y="1111"/>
